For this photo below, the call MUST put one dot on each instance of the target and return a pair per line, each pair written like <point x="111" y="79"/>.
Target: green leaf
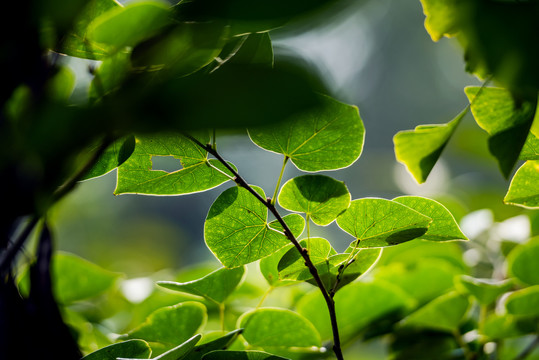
<point x="486" y="291"/>
<point x="379" y="222"/>
<point x="278" y="327"/>
<point x="138" y="349"/>
<point x="269" y="268"/>
<point x="115" y="155"/>
<point x="326" y="139"/>
<point x="524" y="302"/>
<point x="295" y="222"/>
<point x="76" y="42"/>
<point x="129" y="25"/>
<point x="357" y="305"/>
<point x="522" y="263"/>
<point x="443" y="313"/>
<point x="61" y="85"/>
<point x="110" y="75"/>
<point x="241" y="355"/>
<point x="216" y="286"/>
<point x="181" y="48"/>
<point x="443" y="226"/>
<point x="218" y="344"/>
<point x="198" y="173"/>
<point x="530" y="150"/>
<point x="75" y="278"/>
<point x="507" y="326"/>
<point x="420" y="149"/>
<point x="292" y="266"/>
<point x="179" y="352"/>
<point x="507" y="123"/>
<point x="172" y="324"/>
<point x="236" y="228"/>
<point x="320" y="197"/>
<point x="441" y="18"/>
<point x="255" y="49"/>
<point x="523" y="190"/>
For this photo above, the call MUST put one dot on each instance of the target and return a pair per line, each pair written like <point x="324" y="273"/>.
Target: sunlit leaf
<point x="61" y="85"/>
<point x="441" y="19"/>
<point x="138" y="349"/>
<point x="216" y="286"/>
<point x="443" y="313"/>
<point x="507" y="326"/>
<point x="178" y="353"/>
<point x="522" y="263"/>
<point x="220" y="343"/>
<point x="379" y="222"/>
<point x="197" y="173"/>
<point x="242" y="355"/>
<point x="172" y="324"/>
<point x="292" y="265"/>
<point x="115" y="155"/>
<point x="295" y="222"/>
<point x="420" y="149"/>
<point x="486" y="291"/>
<point x="524" y="302"/>
<point x="236" y="228"/>
<point x="329" y="138"/>
<point x="278" y="327"/>
<point x="524" y="190"/>
<point x="507" y="123"/>
<point x="269" y="268"/>
<point x="443" y="226"/>
<point x="320" y="197"/>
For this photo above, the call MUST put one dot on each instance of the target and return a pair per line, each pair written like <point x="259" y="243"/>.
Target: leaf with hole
<point x="329" y="137"/>
<point x="380" y="222"/>
<point x="420" y="149"/>
<point x="197" y="173"/>
<point x="216" y="286"/>
<point x="320" y="197"/>
<point x="236" y="228"/>
<point x="270" y="327"/>
<point x="443" y="226"/>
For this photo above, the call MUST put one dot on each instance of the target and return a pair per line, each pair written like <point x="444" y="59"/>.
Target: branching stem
<point x="288" y="233"/>
<point x="274" y="198"/>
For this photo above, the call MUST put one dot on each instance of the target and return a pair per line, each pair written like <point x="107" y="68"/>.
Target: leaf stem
<point x="288" y="233"/>
<point x="275" y="193"/>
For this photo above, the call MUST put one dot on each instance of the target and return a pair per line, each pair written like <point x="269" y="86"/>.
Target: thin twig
<point x="288" y="233"/>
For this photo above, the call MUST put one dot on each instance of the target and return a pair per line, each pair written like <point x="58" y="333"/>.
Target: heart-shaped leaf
<point x="216" y="286"/>
<point x="327" y="138"/>
<point x="236" y="228"/>
<point x="379" y="222"/>
<point x="320" y="197"/>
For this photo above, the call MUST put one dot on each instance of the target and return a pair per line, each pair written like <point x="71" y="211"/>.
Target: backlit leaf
<point x="220" y="343"/>
<point x="242" y="355"/>
<point x="178" y="353"/>
<point x="524" y="190"/>
<point x="236" y="228"/>
<point x="115" y="155"/>
<point x="292" y="265"/>
<point x="320" y="197"/>
<point x="443" y="226"/>
<point x="441" y="18"/>
<point x="216" y="286"/>
<point x="326" y="139"/>
<point x="379" y="222"/>
<point x="138" y="349"/>
<point x="278" y="327"/>
<point x="420" y="149"/>
<point x="197" y="173"/>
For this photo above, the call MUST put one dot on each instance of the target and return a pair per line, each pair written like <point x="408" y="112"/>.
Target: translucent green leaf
<point x="486" y="291"/>
<point x="507" y="123"/>
<point x="443" y="226"/>
<point x="443" y="313"/>
<point x="292" y="266"/>
<point x="524" y="302"/>
<point x="320" y="197"/>
<point x="278" y="327"/>
<point x="295" y="222"/>
<point x="522" y="263"/>
<point x="128" y="25"/>
<point x="379" y="222"/>
<point x="216" y="286"/>
<point x="328" y="138"/>
<point x="76" y="42"/>
<point x="115" y="155"/>
<point x="420" y="149"/>
<point x="236" y="228"/>
<point x="269" y="268"/>
<point x="242" y="355"/>
<point x="530" y="150"/>
<point x="172" y="324"/>
<point x="138" y="349"/>
<point x="182" y="48"/>
<point x="507" y="326"/>
<point x="524" y="190"/>
<point x="357" y="305"/>
<point x="179" y="352"/>
<point x="220" y="343"/>
<point x="109" y="76"/>
<point x="441" y="18"/>
<point x="61" y="85"/>
<point x="197" y="173"/>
